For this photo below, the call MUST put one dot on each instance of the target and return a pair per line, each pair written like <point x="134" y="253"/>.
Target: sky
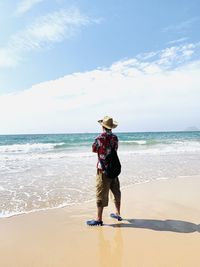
<point x="66" y="64"/>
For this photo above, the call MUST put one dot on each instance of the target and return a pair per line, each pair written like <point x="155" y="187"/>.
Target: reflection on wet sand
<point x="110" y="248"/>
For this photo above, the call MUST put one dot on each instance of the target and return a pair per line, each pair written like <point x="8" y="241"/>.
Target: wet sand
<point x="160" y="228"/>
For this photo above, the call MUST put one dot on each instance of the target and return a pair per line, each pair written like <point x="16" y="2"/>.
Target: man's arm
<point x="115" y="142"/>
<point x="95" y="146"/>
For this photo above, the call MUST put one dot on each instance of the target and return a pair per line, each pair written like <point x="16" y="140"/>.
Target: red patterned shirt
<point x="102" y="146"/>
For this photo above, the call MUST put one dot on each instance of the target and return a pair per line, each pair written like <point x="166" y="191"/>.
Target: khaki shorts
<point x="103" y="185"/>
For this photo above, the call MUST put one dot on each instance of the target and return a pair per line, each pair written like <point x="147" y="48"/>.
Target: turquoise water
<point x="53" y="170"/>
<point x="67" y="141"/>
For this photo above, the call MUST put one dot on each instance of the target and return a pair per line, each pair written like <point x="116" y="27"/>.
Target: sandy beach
<point x="160" y="227"/>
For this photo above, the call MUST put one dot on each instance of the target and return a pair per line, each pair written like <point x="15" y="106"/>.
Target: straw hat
<point x="108" y="122"/>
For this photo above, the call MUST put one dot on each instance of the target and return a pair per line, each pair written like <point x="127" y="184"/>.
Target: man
<point x="102" y="146"/>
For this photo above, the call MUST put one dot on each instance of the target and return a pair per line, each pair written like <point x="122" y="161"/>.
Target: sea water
<point x="39" y="172"/>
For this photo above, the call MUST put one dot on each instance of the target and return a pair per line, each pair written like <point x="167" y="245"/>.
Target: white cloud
<point x="51" y="28"/>
<point x="182" y="26"/>
<point x="176" y="41"/>
<point x="166" y="59"/>
<point x="143" y="95"/>
<point x="26" y="5"/>
<point x="43" y="32"/>
<point x="7" y="58"/>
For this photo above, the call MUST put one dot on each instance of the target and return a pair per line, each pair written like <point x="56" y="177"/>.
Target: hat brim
<point x="114" y="125"/>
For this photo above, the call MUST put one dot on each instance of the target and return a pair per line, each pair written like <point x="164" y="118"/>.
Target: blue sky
<point x="43" y="42"/>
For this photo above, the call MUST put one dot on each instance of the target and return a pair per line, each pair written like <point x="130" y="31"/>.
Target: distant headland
<point x="192" y="129"/>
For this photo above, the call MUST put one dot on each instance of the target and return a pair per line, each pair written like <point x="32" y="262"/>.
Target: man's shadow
<point x="159" y="225"/>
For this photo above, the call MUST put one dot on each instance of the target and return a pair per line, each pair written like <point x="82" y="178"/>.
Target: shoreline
<point x="160" y="228"/>
<point x="71" y="205"/>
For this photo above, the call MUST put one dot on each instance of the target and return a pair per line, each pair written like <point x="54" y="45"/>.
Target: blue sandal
<point x="115" y="216"/>
<point x="94" y="223"/>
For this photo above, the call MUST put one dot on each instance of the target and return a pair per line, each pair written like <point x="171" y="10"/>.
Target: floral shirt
<point x="102" y="146"/>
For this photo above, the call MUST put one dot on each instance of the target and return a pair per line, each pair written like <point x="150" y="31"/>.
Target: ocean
<point x="45" y="171"/>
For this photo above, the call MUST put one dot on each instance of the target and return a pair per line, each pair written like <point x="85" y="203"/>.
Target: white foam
<point x="138" y="142"/>
<point x="173" y="148"/>
<point x="27" y="157"/>
<point x="74" y="173"/>
<point x="8" y="214"/>
<point x="27" y="148"/>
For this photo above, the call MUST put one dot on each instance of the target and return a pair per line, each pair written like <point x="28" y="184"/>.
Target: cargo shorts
<point x="103" y="185"/>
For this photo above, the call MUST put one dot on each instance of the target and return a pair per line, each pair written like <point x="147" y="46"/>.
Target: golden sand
<point x="160" y="229"/>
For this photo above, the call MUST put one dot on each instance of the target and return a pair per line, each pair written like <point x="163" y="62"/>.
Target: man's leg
<point x="102" y="191"/>
<point x="99" y="213"/>
<point x="117" y="206"/>
<point x="115" y="188"/>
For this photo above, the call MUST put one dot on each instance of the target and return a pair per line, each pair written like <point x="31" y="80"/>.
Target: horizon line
<point x="65" y="133"/>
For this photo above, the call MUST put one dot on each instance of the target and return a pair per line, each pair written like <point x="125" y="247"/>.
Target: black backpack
<point x="113" y="168"/>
